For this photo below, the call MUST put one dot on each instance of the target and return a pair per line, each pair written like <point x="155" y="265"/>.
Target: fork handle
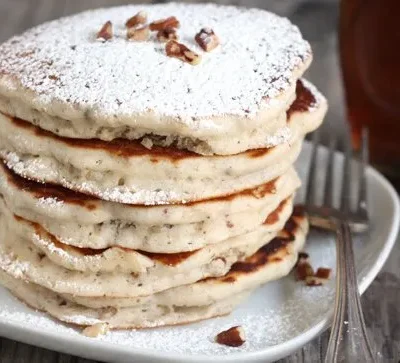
<point x="348" y="341"/>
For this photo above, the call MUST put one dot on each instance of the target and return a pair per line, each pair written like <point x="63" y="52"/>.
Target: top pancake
<point x="60" y="77"/>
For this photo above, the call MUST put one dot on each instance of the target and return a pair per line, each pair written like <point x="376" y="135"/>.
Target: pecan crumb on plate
<point x="305" y="272"/>
<point x="233" y="337"/>
<point x="96" y="330"/>
<point x="106" y="32"/>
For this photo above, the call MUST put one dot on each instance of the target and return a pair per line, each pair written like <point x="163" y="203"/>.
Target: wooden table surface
<point x="317" y="19"/>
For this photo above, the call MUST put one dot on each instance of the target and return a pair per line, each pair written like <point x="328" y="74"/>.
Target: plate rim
<point x="19" y="332"/>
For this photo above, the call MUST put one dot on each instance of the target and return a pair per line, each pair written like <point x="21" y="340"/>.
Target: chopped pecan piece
<point x="161" y="24"/>
<point x="303" y="270"/>
<point x="229" y="224"/>
<point x="106" y="32"/>
<point x="138" y="34"/>
<point x="323" y="273"/>
<point x="233" y="337"/>
<point x="180" y="51"/>
<point x="138" y="19"/>
<point x="320" y="278"/>
<point x="96" y="330"/>
<point x="147" y="143"/>
<point x="315" y="281"/>
<point x="303" y="257"/>
<point x="167" y="34"/>
<point x="207" y="39"/>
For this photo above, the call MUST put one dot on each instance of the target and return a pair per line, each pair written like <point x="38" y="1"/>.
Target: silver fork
<point x="348" y="340"/>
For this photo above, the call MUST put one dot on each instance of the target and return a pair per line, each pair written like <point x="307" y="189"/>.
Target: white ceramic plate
<point x="278" y="319"/>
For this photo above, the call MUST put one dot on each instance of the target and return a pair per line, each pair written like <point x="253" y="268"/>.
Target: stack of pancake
<point x="138" y="190"/>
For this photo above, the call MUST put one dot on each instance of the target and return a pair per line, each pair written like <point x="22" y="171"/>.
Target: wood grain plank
<point x="82" y="360"/>
<point x="21" y="353"/>
<point x="43" y="356"/>
<point x="324" y="339"/>
<point x="381" y="309"/>
<point x="64" y="358"/>
<point x="311" y="352"/>
<point x="8" y="350"/>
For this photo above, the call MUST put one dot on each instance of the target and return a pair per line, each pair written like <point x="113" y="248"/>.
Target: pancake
<point x="56" y="202"/>
<point x="272" y="261"/>
<point x="45" y="300"/>
<point x="61" y="78"/>
<point x="116" y="259"/>
<point x="81" y="221"/>
<point x="201" y="300"/>
<point x="20" y="257"/>
<point x="127" y="172"/>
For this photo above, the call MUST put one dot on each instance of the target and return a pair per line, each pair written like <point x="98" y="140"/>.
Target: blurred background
<point x="317" y="20"/>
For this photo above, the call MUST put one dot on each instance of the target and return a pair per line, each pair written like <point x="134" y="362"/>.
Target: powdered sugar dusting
<point x="119" y="194"/>
<point x="127" y="196"/>
<point x="281" y="136"/>
<point x="49" y="202"/>
<point x="319" y="97"/>
<point x="53" y="249"/>
<point x="124" y="194"/>
<point x="14" y="267"/>
<point x="81" y="320"/>
<point x="32" y="320"/>
<point x="62" y="61"/>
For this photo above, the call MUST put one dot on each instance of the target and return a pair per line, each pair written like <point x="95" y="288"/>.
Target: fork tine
<point x="346" y="181"/>
<point x="310" y="193"/>
<point x="328" y="190"/>
<point x="363" y="163"/>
